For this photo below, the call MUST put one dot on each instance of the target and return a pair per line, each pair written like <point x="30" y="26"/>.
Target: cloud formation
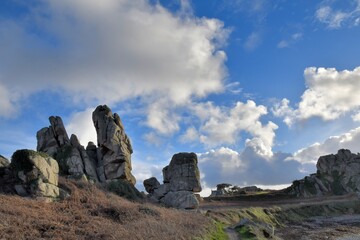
<point x="337" y="18"/>
<point x="246" y="168"/>
<point x="111" y="51"/>
<point x="221" y="126"/>
<point x="330" y="94"/>
<point x="311" y="154"/>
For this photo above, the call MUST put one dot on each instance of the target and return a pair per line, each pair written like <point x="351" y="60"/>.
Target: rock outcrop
<point x="114" y="147"/>
<point x="226" y="189"/>
<point x="110" y="160"/>
<point x="4" y="162"/>
<point x="32" y="174"/>
<point x="336" y="175"/>
<point x="181" y="181"/>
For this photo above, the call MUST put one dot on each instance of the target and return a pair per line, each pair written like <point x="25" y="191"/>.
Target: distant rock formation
<point x="4" y="162"/>
<point x="110" y="160"/>
<point x="181" y="181"/>
<point x="336" y="175"/>
<point x="31" y="174"/>
<point x="226" y="189"/>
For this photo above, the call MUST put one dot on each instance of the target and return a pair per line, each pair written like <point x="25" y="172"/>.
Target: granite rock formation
<point x="336" y="174"/>
<point x="109" y="160"/>
<point x="114" y="147"/>
<point x="32" y="174"/>
<point x="181" y="181"/>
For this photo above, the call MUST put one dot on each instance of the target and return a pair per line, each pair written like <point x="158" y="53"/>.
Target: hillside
<point x="92" y="213"/>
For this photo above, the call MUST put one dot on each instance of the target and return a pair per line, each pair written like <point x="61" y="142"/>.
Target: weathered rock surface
<point x="337" y="174"/>
<point x="151" y="184"/>
<point x="110" y="160"/>
<point x="4" y="162"/>
<point x="183" y="173"/>
<point x="180" y="199"/>
<point x="114" y="147"/>
<point x="36" y="174"/>
<point x="181" y="180"/>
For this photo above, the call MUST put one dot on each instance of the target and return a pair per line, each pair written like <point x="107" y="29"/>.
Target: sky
<point x="259" y="89"/>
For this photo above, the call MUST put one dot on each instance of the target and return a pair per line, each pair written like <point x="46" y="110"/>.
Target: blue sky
<point x="258" y="88"/>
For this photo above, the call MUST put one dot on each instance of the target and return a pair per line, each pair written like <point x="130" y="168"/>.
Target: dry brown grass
<point x="91" y="213"/>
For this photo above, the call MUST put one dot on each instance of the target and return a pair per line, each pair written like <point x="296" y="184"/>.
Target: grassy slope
<point x="91" y="213"/>
<point x="277" y="217"/>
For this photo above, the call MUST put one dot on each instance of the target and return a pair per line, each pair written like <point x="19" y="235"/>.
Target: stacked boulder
<point x="31" y="174"/>
<point x="337" y="174"/>
<point x="181" y="179"/>
<point x="110" y="160"/>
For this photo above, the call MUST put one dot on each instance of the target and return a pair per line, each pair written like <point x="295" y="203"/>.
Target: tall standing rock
<point x="114" y="147"/>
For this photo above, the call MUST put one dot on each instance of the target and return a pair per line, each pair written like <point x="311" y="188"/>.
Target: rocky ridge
<point x="181" y="179"/>
<point x="109" y="160"/>
<point x="337" y="174"/>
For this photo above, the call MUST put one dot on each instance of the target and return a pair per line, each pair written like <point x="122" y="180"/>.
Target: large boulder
<point x="114" y="147"/>
<point x="183" y="173"/>
<point x="37" y="174"/>
<point x="336" y="174"/>
<point x="181" y="180"/>
<point x="4" y="162"/>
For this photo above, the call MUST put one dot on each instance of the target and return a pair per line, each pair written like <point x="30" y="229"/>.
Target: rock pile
<point x="110" y="160"/>
<point x="181" y="180"/>
<point x="336" y="175"/>
<point x="226" y="189"/>
<point x="31" y="174"/>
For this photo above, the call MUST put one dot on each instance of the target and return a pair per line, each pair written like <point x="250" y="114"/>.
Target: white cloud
<point x="110" y="51"/>
<point x="81" y="124"/>
<point x="222" y="126"/>
<point x="311" y="154"/>
<point x="253" y="41"/>
<point x="7" y="107"/>
<point x="356" y="117"/>
<point x="329" y="95"/>
<point x="246" y="168"/>
<point x="161" y="117"/>
<point x="335" y="19"/>
<point x="190" y="135"/>
<point x="283" y="44"/>
<point x="291" y="40"/>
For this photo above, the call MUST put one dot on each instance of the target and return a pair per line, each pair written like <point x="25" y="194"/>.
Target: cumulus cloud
<point x="81" y="124"/>
<point x="330" y="94"/>
<point x="110" y="51"/>
<point x="222" y="126"/>
<point x="337" y="18"/>
<point x="246" y="168"/>
<point x="349" y="140"/>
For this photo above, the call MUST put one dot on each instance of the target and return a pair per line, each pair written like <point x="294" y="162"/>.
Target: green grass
<point x="216" y="232"/>
<point x="246" y="233"/>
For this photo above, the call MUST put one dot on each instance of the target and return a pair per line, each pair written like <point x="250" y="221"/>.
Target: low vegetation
<point x="263" y="223"/>
<point x="91" y="213"/>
